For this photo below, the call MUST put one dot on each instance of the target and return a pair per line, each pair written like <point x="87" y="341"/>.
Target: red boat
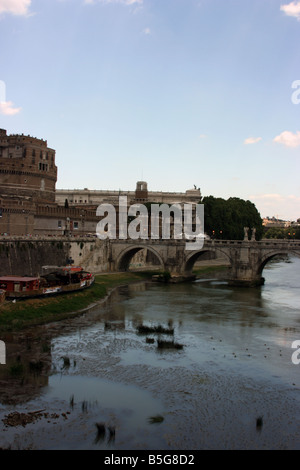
<point x="61" y="280"/>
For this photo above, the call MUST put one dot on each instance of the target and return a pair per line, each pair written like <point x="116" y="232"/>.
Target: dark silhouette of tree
<point x="226" y="219"/>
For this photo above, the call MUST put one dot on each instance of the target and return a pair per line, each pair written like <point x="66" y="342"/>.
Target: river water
<point x="230" y="384"/>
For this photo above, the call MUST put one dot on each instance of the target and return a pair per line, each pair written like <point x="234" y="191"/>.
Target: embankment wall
<point x="27" y="257"/>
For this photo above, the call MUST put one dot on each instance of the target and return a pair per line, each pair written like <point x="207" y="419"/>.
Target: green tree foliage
<point x="290" y="233"/>
<point x="226" y="219"/>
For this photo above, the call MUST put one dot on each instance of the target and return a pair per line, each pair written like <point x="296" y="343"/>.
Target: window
<point x="75" y="225"/>
<point x="43" y="166"/>
<point x="59" y="224"/>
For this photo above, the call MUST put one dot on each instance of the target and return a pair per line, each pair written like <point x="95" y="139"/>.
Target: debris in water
<point x="100" y="432"/>
<point x="259" y="423"/>
<point x="162" y="344"/>
<point x="143" y="329"/>
<point x="150" y="340"/>
<point x="156" y="419"/>
<point x="111" y="434"/>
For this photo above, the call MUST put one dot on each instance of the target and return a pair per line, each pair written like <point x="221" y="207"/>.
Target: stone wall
<point x="27" y="257"/>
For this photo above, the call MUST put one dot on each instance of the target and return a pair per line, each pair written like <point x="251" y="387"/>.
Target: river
<point x="227" y="382"/>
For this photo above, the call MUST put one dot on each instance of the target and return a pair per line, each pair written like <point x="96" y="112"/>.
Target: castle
<point x="30" y="204"/>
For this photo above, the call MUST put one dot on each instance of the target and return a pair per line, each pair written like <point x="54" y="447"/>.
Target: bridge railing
<point x="208" y="242"/>
<point x="8" y="238"/>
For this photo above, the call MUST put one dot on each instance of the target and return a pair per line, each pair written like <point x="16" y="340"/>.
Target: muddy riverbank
<point x="232" y="385"/>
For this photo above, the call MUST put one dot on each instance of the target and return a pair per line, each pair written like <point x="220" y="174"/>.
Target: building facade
<point x="31" y="205"/>
<point x="27" y="168"/>
<point x="92" y="198"/>
<point x="28" y="177"/>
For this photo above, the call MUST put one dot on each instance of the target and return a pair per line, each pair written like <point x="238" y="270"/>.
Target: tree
<point x="227" y="218"/>
<point x="290" y="233"/>
<point x="275" y="232"/>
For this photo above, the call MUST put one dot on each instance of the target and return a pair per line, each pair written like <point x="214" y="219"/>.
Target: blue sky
<point x="174" y="92"/>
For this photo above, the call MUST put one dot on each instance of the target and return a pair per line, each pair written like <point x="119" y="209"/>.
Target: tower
<point x="27" y="168"/>
<point x="141" y="192"/>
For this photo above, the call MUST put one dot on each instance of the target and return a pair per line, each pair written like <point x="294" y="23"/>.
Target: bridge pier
<point x="242" y="280"/>
<point x="244" y="271"/>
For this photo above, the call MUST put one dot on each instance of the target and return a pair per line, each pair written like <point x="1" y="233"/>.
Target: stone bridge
<point x="246" y="258"/>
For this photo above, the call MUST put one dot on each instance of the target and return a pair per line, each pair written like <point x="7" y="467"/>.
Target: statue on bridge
<point x="246" y="230"/>
<point x="246" y="237"/>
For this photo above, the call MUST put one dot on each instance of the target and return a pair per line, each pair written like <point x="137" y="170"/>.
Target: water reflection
<point x="27" y="367"/>
<point x="235" y="360"/>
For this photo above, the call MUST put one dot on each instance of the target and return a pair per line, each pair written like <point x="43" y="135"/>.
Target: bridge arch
<point x="267" y="257"/>
<point x="196" y="256"/>
<point x="124" y="258"/>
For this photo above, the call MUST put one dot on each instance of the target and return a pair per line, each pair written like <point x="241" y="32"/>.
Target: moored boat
<point x="2" y="295"/>
<point x="58" y="281"/>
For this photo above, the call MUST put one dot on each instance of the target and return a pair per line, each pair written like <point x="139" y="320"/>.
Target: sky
<point x="178" y="93"/>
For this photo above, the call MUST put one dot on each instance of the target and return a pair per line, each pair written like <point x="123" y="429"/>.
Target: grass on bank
<point x="203" y="270"/>
<point x="24" y="313"/>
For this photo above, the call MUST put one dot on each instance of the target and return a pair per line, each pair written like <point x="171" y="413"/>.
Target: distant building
<point x="92" y="198"/>
<point x="28" y="176"/>
<point x="272" y="222"/>
<point x="28" y="169"/>
<point x="31" y="205"/>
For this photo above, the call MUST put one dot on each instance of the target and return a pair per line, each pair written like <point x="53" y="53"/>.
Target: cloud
<point x="252" y="140"/>
<point x="16" y="7"/>
<point x="286" y="207"/>
<point x="147" y="31"/>
<point x="124" y="2"/>
<point x="270" y="197"/>
<point x="288" y="139"/>
<point x="7" y="108"/>
<point x="292" y="9"/>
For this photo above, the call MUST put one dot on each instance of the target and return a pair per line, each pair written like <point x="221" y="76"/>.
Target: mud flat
<point x="95" y="383"/>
